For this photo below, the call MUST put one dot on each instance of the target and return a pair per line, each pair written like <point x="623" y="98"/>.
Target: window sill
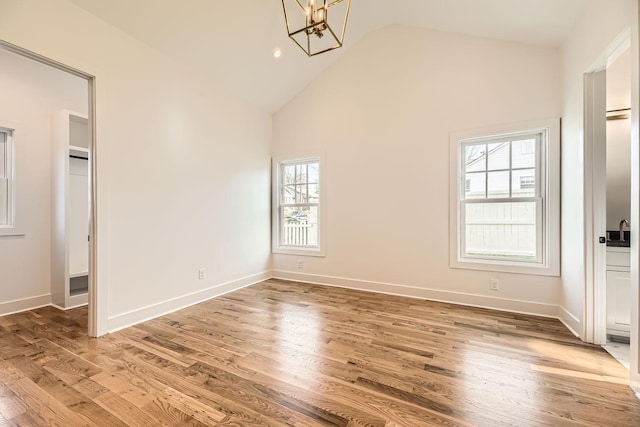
<point x="11" y="232"/>
<point x="506" y="267"/>
<point x="298" y="251"/>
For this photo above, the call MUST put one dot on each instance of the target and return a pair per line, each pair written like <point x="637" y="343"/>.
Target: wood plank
<point x="282" y="353"/>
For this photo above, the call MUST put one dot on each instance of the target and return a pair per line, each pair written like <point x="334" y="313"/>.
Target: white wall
<point x="619" y="142"/>
<point x="382" y="115"/>
<point x="32" y="92"/>
<point x="618" y="172"/>
<point x="596" y="29"/>
<point x="183" y="167"/>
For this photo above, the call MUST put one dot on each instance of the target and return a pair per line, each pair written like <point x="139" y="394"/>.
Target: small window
<point x="527" y="147"/>
<point x="7" y="162"/>
<point x="527" y="182"/>
<point x="298" y="215"/>
<point x="505" y="200"/>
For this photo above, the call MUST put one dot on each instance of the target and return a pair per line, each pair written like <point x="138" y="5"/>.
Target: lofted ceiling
<point x="232" y="41"/>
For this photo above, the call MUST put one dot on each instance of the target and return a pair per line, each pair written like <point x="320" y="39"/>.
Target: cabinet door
<point x="618" y="300"/>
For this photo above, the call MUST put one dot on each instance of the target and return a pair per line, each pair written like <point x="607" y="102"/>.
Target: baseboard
<point x="570" y="321"/>
<point x="16" y="306"/>
<point x="473" y="300"/>
<point x="149" y="312"/>
<point x="635" y="384"/>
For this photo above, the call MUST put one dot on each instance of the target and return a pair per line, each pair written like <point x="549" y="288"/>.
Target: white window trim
<point x="16" y="205"/>
<point x="549" y="265"/>
<point x="275" y="208"/>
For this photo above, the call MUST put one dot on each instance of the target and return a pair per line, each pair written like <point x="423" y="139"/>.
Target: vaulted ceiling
<point x="232" y="41"/>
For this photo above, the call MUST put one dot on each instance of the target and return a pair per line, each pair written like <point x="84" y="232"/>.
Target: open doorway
<point x="47" y="240"/>
<point x="608" y="164"/>
<point x="618" y="208"/>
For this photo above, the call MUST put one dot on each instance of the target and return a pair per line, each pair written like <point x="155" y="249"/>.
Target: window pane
<point x="3" y="158"/>
<point x="4" y="209"/>
<point x="475" y="185"/>
<point x="314" y="172"/>
<point x="474" y="156"/>
<point x="498" y="156"/>
<point x="300" y="226"/>
<point x="301" y="193"/>
<point x="289" y="174"/>
<point x="501" y="230"/>
<point x="523" y="153"/>
<point x="301" y="174"/>
<point x="314" y="193"/>
<point x="289" y="194"/>
<point x="498" y="183"/>
<point x="524" y="183"/>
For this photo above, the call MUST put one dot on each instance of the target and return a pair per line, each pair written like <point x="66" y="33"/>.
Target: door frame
<point x="95" y="313"/>
<point x="595" y="196"/>
<point x="594" y="328"/>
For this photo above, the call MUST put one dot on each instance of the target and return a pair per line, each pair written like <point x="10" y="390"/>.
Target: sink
<point x="618" y="243"/>
<point x="613" y="239"/>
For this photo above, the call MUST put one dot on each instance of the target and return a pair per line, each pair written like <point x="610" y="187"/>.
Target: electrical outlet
<point x="202" y="274"/>
<point x="300" y="265"/>
<point x="494" y="284"/>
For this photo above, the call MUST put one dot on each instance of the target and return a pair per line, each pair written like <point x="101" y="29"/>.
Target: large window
<point x="297" y="203"/>
<point x="7" y="161"/>
<point x="505" y="200"/>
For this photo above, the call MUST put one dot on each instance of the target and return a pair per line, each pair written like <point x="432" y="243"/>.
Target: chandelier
<point x="317" y="26"/>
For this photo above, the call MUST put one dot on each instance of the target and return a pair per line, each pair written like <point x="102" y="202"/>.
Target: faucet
<point x="622" y="224"/>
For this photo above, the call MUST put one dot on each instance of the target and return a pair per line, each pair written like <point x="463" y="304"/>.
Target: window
<point x="297" y="207"/>
<point x="6" y="178"/>
<point x="527" y="182"/>
<point x="528" y="147"/>
<point x="505" y="199"/>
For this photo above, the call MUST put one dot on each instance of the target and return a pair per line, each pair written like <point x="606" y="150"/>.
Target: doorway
<point x="618" y="208"/>
<point x="597" y="253"/>
<point x="32" y="111"/>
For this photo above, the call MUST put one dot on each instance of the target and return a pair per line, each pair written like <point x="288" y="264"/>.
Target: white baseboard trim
<point x="635" y="384"/>
<point x="570" y="321"/>
<point x="149" y="312"/>
<point x="25" y="304"/>
<point x="473" y="300"/>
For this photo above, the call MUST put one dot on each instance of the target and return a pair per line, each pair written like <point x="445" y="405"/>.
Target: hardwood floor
<point x="289" y="354"/>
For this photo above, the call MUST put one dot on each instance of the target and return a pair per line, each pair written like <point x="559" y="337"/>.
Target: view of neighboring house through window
<point x="298" y="201"/>
<point x="6" y="177"/>
<point x="502" y="204"/>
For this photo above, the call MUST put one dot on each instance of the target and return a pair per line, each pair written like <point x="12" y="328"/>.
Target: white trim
<point x="594" y="197"/>
<point x="472" y="300"/>
<point x="24" y="304"/>
<point x="550" y="167"/>
<point x="635" y="208"/>
<point x="152" y="311"/>
<point x="569" y="320"/>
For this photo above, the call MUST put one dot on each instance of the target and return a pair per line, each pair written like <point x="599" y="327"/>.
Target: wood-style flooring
<point x="289" y="354"/>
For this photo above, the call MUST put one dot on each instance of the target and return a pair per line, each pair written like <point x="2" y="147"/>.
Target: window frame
<point x="547" y="260"/>
<point x="11" y="159"/>
<point x="278" y="206"/>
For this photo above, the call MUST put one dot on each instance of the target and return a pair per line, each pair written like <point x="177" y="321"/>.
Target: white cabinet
<point x="618" y="292"/>
<point x="70" y="209"/>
